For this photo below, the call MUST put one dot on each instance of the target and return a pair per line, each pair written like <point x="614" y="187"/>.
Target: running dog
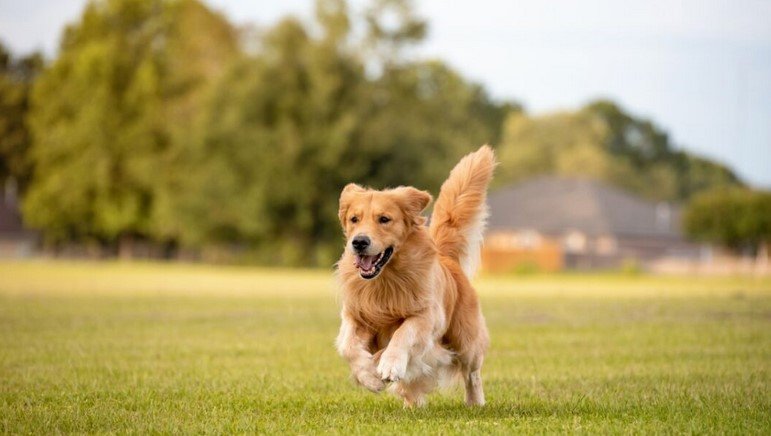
<point x="410" y="317"/>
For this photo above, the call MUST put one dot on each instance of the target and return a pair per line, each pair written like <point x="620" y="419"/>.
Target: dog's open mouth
<point x="370" y="266"/>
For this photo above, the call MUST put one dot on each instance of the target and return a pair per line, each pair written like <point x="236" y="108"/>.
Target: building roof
<point x="554" y="205"/>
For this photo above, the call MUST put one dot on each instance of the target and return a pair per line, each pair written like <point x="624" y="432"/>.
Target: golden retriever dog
<point x="410" y="316"/>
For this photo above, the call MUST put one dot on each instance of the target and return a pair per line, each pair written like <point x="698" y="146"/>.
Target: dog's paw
<point x="370" y="380"/>
<point x="392" y="366"/>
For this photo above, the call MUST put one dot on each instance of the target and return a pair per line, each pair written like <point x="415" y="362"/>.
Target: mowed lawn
<point x="166" y="348"/>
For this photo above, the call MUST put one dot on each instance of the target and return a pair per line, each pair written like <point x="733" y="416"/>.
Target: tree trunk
<point x="761" y="259"/>
<point x="126" y="247"/>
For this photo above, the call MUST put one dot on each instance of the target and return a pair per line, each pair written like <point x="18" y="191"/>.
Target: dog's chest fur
<point x="382" y="304"/>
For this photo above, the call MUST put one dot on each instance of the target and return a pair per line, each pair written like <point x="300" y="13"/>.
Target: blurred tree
<point x="735" y="218"/>
<point x="532" y="146"/>
<point x="674" y="174"/>
<point x="603" y="142"/>
<point x="111" y="112"/>
<point x="194" y="60"/>
<point x="291" y="125"/>
<point x="422" y="117"/>
<point x="275" y="142"/>
<point x="147" y="127"/>
<point x="16" y="78"/>
<point x="696" y="174"/>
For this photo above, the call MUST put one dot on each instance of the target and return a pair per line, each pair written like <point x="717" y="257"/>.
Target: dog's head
<point x="376" y="223"/>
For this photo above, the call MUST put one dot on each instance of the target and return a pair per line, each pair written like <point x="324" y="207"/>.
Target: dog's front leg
<point x="352" y="343"/>
<point x="412" y="338"/>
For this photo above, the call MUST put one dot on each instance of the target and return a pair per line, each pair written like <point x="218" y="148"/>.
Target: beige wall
<point x="510" y="251"/>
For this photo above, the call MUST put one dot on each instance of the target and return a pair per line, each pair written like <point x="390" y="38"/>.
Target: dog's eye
<point x="384" y="219"/>
<point x="354" y="219"/>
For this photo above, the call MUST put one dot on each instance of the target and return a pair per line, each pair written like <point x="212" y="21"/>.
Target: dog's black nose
<point x="360" y="243"/>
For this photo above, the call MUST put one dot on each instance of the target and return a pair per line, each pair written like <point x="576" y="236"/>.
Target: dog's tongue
<point x="365" y="262"/>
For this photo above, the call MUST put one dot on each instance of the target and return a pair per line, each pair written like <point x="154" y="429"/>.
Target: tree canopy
<point x="604" y="142"/>
<point x="16" y="78"/>
<point x="112" y="110"/>
<point x="736" y="218"/>
<point x="148" y="128"/>
<point x="290" y="125"/>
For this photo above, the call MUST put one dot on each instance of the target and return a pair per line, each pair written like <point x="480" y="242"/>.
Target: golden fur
<point x="417" y="321"/>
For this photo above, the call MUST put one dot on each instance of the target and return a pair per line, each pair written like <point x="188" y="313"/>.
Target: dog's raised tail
<point x="460" y="211"/>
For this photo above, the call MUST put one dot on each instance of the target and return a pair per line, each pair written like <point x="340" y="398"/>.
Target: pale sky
<point x="701" y="69"/>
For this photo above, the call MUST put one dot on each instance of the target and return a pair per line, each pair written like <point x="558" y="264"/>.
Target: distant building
<point x="15" y="240"/>
<point x="552" y="223"/>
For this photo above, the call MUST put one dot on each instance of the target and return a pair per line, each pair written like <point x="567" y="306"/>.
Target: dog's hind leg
<point x="472" y="376"/>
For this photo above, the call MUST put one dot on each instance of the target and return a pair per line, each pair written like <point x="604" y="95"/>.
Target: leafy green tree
<point x="735" y="218"/>
<point x="109" y="115"/>
<point x="16" y="78"/>
<point x="422" y="118"/>
<point x="289" y="126"/>
<point x="96" y="125"/>
<point x="534" y="146"/>
<point x="276" y="138"/>
<point x="200" y="46"/>
<point x="148" y="127"/>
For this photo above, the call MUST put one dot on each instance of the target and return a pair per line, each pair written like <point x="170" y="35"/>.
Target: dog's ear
<point x="414" y="201"/>
<point x="345" y="200"/>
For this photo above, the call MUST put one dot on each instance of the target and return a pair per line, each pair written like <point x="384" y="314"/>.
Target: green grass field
<point x="91" y="347"/>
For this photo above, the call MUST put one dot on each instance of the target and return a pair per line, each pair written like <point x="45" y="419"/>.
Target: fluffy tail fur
<point x="460" y="212"/>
